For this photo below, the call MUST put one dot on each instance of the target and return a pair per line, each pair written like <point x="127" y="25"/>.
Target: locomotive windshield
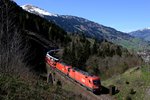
<point x="96" y="82"/>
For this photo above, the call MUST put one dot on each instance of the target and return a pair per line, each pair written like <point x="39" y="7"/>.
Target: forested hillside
<point x="19" y="57"/>
<point x="101" y="58"/>
<point x="24" y="40"/>
<point x="79" y="51"/>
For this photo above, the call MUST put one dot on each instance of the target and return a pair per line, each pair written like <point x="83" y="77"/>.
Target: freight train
<point x="91" y="82"/>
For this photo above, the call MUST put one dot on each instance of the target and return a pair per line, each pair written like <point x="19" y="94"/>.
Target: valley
<point x="79" y="25"/>
<point x="28" y="32"/>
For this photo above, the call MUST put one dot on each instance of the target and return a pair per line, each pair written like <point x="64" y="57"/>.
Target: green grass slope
<point x="134" y="84"/>
<point x="135" y="44"/>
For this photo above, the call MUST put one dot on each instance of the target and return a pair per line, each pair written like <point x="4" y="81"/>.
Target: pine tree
<point x="95" y="48"/>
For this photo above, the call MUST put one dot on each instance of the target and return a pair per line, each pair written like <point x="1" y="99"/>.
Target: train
<point x="91" y="82"/>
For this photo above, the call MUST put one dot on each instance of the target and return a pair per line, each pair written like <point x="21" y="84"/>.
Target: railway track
<point x="78" y="89"/>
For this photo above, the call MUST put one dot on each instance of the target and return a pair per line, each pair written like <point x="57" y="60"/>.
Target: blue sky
<point x="123" y="15"/>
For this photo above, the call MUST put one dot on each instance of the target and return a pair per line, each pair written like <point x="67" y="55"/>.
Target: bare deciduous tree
<point x="12" y="46"/>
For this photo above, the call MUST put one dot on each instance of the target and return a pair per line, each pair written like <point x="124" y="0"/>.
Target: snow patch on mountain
<point x="38" y="11"/>
<point x="148" y="28"/>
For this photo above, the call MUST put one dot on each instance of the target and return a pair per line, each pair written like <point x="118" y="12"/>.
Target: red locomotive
<point x="91" y="82"/>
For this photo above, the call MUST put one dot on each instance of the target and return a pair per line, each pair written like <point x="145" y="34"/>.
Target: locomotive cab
<point x="96" y="82"/>
<point x="96" y="85"/>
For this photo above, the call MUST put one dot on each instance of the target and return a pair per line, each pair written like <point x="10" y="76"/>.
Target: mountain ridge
<point x="78" y="25"/>
<point x="32" y="9"/>
<point x="142" y="33"/>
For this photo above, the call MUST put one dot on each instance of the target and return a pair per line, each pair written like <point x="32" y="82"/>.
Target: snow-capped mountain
<point x="37" y="11"/>
<point x="74" y="24"/>
<point x="142" y="33"/>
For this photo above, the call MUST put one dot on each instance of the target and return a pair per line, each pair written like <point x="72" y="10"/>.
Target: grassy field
<point x="134" y="84"/>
